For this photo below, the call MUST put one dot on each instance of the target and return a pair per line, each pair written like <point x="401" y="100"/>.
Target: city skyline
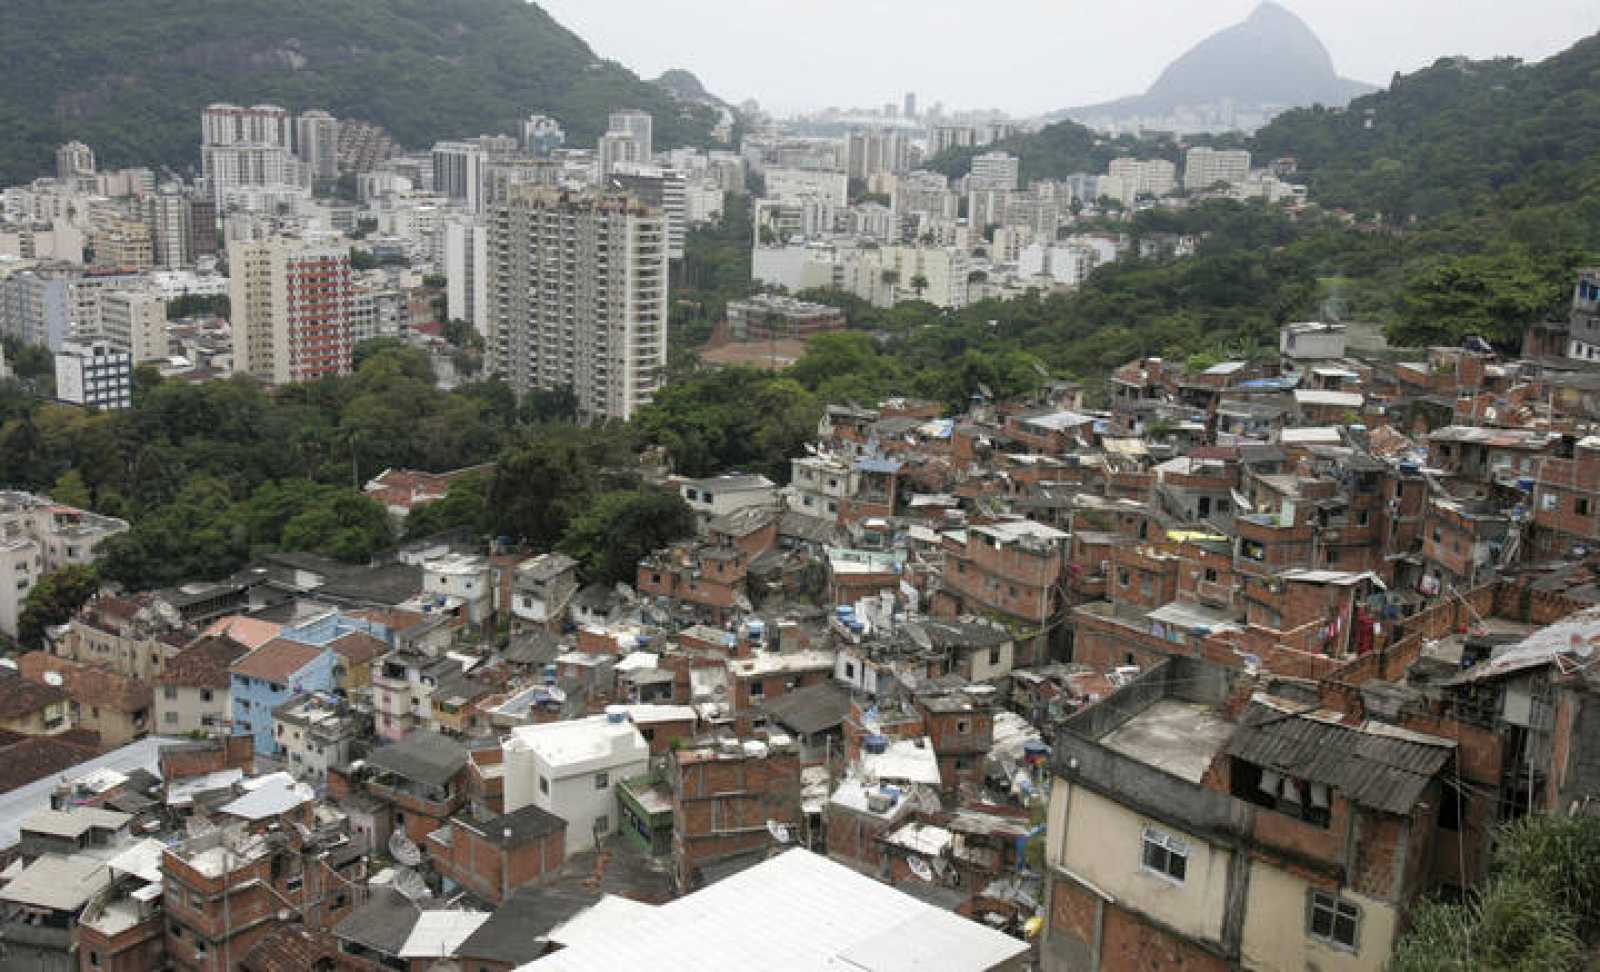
<point x="1108" y="56"/>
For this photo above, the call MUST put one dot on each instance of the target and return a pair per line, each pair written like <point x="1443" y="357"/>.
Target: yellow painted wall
<point x="1104" y="843"/>
<point x="1275" y="928"/>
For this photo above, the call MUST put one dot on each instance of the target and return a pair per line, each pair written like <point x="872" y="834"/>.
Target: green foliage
<point x="464" y="505"/>
<point x="1493" y="296"/>
<point x="1533" y="914"/>
<point x="618" y="529"/>
<point x="192" y="305"/>
<point x="119" y="77"/>
<point x="1055" y="152"/>
<point x="345" y="525"/>
<point x="734" y="418"/>
<point x="54" y="600"/>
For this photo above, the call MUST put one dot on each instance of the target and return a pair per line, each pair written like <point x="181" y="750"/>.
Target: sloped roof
<point x="1373" y="765"/>
<point x="423" y="756"/>
<point x="89" y="686"/>
<point x="22" y="697"/>
<point x="514" y="934"/>
<point x="203" y="664"/>
<point x="276" y="660"/>
<point x="812" y="709"/>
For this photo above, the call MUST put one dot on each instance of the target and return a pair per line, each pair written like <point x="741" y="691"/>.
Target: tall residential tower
<point x="578" y="297"/>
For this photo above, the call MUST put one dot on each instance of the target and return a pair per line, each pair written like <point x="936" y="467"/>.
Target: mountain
<point x="1236" y="78"/>
<point x="1456" y="137"/>
<point x="686" y="87"/>
<point x="130" y="79"/>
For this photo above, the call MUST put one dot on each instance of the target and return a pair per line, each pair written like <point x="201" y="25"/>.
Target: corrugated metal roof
<point x="1373" y="766"/>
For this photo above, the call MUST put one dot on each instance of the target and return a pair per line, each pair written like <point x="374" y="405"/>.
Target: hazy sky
<point x="1025" y="56"/>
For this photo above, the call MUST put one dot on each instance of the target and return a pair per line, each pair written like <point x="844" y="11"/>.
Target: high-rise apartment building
<point x="466" y="272"/>
<point x="291" y="309"/>
<point x="994" y="170"/>
<point x="662" y="189"/>
<point x="638" y="125"/>
<point x="316" y="142"/>
<point x="578" y="285"/>
<point x="458" y="172"/>
<point x="870" y="153"/>
<point x="1205" y="167"/>
<point x="246" y="154"/>
<point x="135" y="321"/>
<point x="616" y="149"/>
<point x="97" y="375"/>
<point x="910" y="110"/>
<point x="542" y="135"/>
<point x="74" y="161"/>
<point x="166" y="212"/>
<point x="1129" y="178"/>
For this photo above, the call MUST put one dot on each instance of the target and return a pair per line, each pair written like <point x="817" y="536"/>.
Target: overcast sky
<point x="1025" y="56"/>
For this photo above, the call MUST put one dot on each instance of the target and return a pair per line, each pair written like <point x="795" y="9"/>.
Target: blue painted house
<point x="269" y="676"/>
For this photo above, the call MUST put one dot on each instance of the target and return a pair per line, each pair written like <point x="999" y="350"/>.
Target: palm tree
<point x="919" y="283"/>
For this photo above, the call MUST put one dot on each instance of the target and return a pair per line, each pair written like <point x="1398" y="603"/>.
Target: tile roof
<point x="86" y="685"/>
<point x="276" y="660"/>
<point x="29" y="758"/>
<point x="250" y="632"/>
<point x="21" y="697"/>
<point x="203" y="664"/>
<point x="291" y="949"/>
<point x="358" y="647"/>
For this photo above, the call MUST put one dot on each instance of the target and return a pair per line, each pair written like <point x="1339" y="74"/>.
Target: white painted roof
<point x="904" y="761"/>
<point x="142" y="859"/>
<point x="437" y="934"/>
<point x="1316" y="396"/>
<point x="74" y="822"/>
<point x="1316" y="435"/>
<point x="638" y="660"/>
<point x="272" y="797"/>
<point x="181" y="793"/>
<point x="58" y="882"/>
<point x="647" y="712"/>
<point x="792" y="912"/>
<point x="581" y="745"/>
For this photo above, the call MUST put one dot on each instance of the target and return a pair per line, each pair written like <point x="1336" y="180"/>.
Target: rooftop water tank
<point x="616" y="713"/>
<point x="875" y="744"/>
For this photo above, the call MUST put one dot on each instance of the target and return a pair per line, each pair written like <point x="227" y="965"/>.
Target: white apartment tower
<point x="246" y="154"/>
<point x="639" y="125"/>
<point x="96" y="375"/>
<point x="458" y="172"/>
<point x="74" y="161"/>
<point x="1205" y="167"/>
<point x="166" y="212"/>
<point x="317" y="143"/>
<point x="135" y="321"/>
<point x="617" y="149"/>
<point x="578" y="288"/>
<point x="291" y="308"/>
<point x="994" y="170"/>
<point x="663" y="189"/>
<point x="466" y="272"/>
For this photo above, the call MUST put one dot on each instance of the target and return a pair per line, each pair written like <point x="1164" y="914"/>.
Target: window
<point x="994" y="656"/>
<point x="1331" y="919"/>
<point x="170" y="718"/>
<point x="294" y="883"/>
<point x="544" y="785"/>
<point x="602" y="780"/>
<point x="1581" y="506"/>
<point x="963" y="727"/>
<point x="94" y="959"/>
<point x="1122" y="577"/>
<point x="1165" y="855"/>
<point x="602" y="824"/>
<point x="169" y="692"/>
<point x="205" y="695"/>
<point x="758" y="689"/>
<point x="1211" y="575"/>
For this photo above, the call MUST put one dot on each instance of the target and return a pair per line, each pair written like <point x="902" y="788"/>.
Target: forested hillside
<point x="130" y="79"/>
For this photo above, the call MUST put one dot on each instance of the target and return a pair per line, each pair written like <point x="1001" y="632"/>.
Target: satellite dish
<point x="409" y="883"/>
<point x="779" y="832"/>
<point x="920" y="868"/>
<point x="402" y="849"/>
<point x="53" y="678"/>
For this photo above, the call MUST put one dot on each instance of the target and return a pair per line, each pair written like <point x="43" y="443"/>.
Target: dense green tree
<point x="465" y="505"/>
<point x="617" y="529"/>
<point x="54" y="600"/>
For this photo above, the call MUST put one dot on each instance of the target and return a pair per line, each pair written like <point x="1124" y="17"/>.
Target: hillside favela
<point x="596" y="485"/>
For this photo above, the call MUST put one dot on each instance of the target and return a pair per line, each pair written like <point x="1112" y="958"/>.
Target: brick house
<point x="723" y="797"/>
<point x="493" y="857"/>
